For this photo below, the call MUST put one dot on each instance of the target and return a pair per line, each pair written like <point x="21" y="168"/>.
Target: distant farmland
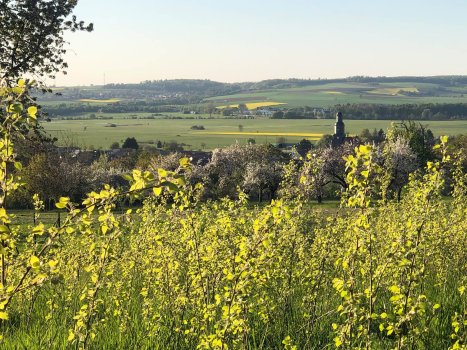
<point x="217" y="133"/>
<point x="90" y="100"/>
<point x="328" y="95"/>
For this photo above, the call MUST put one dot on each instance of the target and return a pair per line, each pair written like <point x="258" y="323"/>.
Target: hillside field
<point x="217" y="133"/>
<point x="328" y="95"/>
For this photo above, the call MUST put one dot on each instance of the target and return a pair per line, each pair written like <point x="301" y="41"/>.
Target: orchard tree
<point x="419" y="138"/>
<point x="457" y="147"/>
<point x="51" y="175"/>
<point x="333" y="164"/>
<point x="261" y="177"/>
<point x="399" y="161"/>
<point x="313" y="177"/>
<point x="31" y="37"/>
<point x="227" y="169"/>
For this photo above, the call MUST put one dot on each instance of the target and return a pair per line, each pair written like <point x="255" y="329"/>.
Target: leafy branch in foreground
<point x="31" y="258"/>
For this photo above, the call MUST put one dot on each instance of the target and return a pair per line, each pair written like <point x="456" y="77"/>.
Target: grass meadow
<point x="217" y="133"/>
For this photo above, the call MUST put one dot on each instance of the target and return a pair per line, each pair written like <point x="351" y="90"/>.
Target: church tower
<point x="339" y="131"/>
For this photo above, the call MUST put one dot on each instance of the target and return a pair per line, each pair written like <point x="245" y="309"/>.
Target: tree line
<point x="209" y="88"/>
<point x="367" y="111"/>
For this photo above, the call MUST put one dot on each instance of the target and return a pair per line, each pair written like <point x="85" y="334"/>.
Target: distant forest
<point x="210" y="88"/>
<point x="430" y="111"/>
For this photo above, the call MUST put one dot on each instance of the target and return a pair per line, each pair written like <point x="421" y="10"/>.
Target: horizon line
<point x="270" y="79"/>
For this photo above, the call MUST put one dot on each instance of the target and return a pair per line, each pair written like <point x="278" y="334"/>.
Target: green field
<point x="95" y="133"/>
<point x="328" y="95"/>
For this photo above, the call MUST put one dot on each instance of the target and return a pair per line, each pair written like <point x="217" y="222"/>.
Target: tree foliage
<point x="31" y="34"/>
<point x="130" y="142"/>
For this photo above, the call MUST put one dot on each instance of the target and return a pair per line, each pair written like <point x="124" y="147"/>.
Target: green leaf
<point x="39" y="229"/>
<point x="127" y="177"/>
<point x="180" y="181"/>
<point x="3" y="315"/>
<point x="32" y="111"/>
<point x="62" y="202"/>
<point x="171" y="186"/>
<point x="15" y="108"/>
<point x="157" y="191"/>
<point x="184" y="162"/>
<point x="34" y="262"/>
<point x="162" y="172"/>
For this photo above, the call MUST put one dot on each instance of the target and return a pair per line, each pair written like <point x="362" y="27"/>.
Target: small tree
<point x="115" y="145"/>
<point x="324" y="141"/>
<point x="303" y="147"/>
<point x="365" y="136"/>
<point x="278" y="115"/>
<point x="281" y="140"/>
<point x="130" y="142"/>
<point x="242" y="108"/>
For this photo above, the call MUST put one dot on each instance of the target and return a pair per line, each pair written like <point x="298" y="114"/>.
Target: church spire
<point x="339" y="130"/>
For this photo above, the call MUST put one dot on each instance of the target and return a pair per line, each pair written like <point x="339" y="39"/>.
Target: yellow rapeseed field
<point x="254" y="105"/>
<point x="334" y="92"/>
<point x="90" y="100"/>
<point x="291" y="134"/>
<point x="392" y="91"/>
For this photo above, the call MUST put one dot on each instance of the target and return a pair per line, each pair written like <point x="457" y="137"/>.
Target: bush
<point x="197" y="127"/>
<point x="130" y="142"/>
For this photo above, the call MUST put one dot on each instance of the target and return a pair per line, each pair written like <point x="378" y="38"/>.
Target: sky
<point x="253" y="40"/>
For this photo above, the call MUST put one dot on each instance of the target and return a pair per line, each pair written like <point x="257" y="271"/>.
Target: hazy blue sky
<point x="250" y="40"/>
